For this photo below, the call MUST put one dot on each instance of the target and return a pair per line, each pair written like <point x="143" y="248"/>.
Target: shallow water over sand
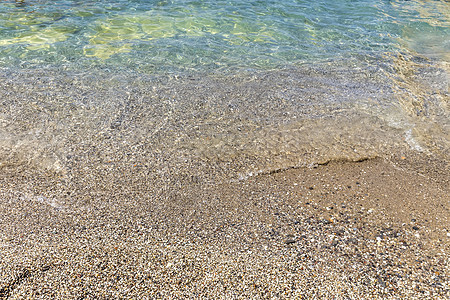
<point x="239" y="124"/>
<point x="85" y="96"/>
<point x="202" y="36"/>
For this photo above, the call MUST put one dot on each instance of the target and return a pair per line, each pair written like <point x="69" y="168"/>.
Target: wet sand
<point x="377" y="228"/>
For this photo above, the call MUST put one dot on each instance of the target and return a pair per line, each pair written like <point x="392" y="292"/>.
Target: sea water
<point x="93" y="90"/>
<point x="182" y="36"/>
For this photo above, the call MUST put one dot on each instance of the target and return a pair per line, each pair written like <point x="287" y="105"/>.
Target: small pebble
<point x="290" y="241"/>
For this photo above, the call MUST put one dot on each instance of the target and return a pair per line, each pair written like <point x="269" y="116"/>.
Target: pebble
<point x="290" y="241"/>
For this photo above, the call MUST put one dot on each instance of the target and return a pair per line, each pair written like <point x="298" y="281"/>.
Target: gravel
<point x="267" y="236"/>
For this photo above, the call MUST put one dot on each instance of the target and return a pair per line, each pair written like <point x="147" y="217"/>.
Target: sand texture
<point x="344" y="230"/>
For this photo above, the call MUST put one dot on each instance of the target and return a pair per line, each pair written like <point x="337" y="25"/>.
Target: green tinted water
<point x="210" y="35"/>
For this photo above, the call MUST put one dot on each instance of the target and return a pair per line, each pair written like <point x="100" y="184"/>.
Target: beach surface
<point x="377" y="228"/>
<point x="224" y="149"/>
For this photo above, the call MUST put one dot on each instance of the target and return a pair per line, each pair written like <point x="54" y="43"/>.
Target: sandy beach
<point x="375" y="229"/>
<point x="224" y="149"/>
<point x="307" y="183"/>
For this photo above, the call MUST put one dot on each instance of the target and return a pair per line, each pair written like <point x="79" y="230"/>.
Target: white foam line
<point x="412" y="142"/>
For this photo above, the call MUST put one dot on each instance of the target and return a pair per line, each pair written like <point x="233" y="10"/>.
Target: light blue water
<point x="90" y="88"/>
<point x="188" y="35"/>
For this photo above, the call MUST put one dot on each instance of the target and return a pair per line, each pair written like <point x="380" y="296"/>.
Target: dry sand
<point x="345" y="230"/>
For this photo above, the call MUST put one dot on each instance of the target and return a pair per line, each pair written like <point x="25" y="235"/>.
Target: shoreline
<point x="210" y="151"/>
<point x="376" y="228"/>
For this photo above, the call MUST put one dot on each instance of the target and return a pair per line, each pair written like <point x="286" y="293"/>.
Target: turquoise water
<point x="93" y="90"/>
<point x="179" y="36"/>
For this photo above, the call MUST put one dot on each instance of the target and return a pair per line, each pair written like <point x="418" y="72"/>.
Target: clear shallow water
<point x="209" y="35"/>
<point x="118" y="91"/>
